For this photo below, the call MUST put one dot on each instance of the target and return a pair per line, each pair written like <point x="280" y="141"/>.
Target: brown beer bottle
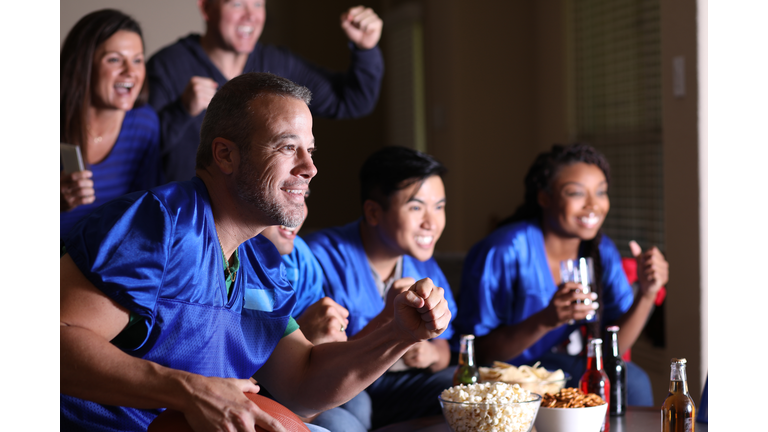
<point x="678" y="411"/>
<point x="466" y="372"/>
<point x="595" y="380"/>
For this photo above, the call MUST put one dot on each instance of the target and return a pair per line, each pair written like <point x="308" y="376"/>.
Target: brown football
<point x="174" y="421"/>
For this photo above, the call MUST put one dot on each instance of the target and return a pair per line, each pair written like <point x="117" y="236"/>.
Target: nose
<point x="428" y="222"/>
<point x="305" y="166"/>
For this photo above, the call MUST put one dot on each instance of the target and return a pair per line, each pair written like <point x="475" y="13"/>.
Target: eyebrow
<point x="580" y="184"/>
<point x="286" y="137"/>
<point x="421" y="201"/>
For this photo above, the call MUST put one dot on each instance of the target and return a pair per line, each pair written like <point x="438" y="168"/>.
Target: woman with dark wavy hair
<point x="102" y="110"/>
<point x="512" y="298"/>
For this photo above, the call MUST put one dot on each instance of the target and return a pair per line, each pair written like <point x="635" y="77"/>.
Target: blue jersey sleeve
<point x="122" y="249"/>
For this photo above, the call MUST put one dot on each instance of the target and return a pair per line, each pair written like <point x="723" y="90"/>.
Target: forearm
<point x="443" y="353"/>
<point x="507" y="342"/>
<point x="94" y="369"/>
<point x="377" y="321"/>
<point x="336" y="372"/>
<point x="633" y="321"/>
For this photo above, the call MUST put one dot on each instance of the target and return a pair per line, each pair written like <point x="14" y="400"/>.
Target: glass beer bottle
<point x="678" y="410"/>
<point x="466" y="372"/>
<point x="616" y="369"/>
<point x="595" y="380"/>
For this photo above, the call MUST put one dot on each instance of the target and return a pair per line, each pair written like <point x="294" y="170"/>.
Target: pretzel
<point x="571" y="398"/>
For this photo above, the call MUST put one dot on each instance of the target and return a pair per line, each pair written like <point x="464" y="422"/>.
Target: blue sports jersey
<point x="305" y="275"/>
<point x="348" y="280"/>
<point x="157" y="254"/>
<point x="506" y="279"/>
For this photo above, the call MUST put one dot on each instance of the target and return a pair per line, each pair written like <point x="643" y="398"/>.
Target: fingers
<point x="362" y="26"/>
<point x="635" y="248"/>
<point x="198" y="94"/>
<point x="77" y="188"/>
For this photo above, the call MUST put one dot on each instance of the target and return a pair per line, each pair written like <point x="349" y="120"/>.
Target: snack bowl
<point x="586" y="419"/>
<point x="491" y="417"/>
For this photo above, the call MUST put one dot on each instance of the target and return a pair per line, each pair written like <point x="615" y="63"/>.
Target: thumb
<point x="635" y="248"/>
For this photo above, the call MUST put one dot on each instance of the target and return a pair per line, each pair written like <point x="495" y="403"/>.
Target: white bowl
<point x="587" y="419"/>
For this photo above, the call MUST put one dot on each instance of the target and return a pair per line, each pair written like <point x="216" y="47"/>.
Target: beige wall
<point x="162" y="22"/>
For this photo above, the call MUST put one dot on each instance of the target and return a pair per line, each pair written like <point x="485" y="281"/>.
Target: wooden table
<point x="637" y="419"/>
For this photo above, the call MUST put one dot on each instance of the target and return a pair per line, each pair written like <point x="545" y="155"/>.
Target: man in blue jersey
<point x="321" y="319"/>
<point x="184" y="76"/>
<point x="164" y="304"/>
<point x="368" y="262"/>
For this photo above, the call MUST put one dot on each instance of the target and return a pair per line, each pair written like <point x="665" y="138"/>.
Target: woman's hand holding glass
<point x="76" y="189"/>
<point x="568" y="305"/>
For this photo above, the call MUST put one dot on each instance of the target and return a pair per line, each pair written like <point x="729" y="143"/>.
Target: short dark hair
<point x="76" y="64"/>
<point x="394" y="168"/>
<point x="229" y="113"/>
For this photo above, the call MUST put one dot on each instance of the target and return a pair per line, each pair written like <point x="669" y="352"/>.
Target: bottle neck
<point x="615" y="344"/>
<point x="467" y="353"/>
<point x="595" y="356"/>
<point x="678" y="379"/>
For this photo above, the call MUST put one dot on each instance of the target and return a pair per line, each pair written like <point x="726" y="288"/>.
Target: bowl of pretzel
<point x="571" y="410"/>
<point x="534" y="378"/>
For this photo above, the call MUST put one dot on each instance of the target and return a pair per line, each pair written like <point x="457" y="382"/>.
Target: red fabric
<point x="630" y="269"/>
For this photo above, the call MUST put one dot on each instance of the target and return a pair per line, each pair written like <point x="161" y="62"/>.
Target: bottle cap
<point x="468" y="336"/>
<point x="679" y="360"/>
<point x="596" y="341"/>
<point x="613" y="328"/>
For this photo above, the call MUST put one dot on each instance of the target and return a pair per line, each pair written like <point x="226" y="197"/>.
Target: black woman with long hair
<point x="512" y="296"/>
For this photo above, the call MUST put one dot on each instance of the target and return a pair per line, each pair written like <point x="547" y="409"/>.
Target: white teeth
<point x="245" y="29"/>
<point x="124" y="85"/>
<point x="298" y="192"/>
<point x="424" y="240"/>
<point x="283" y="227"/>
<point x="590" y="220"/>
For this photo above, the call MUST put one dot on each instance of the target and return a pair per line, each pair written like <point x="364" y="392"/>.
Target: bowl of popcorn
<point x="571" y="410"/>
<point x="534" y="378"/>
<point x="489" y="407"/>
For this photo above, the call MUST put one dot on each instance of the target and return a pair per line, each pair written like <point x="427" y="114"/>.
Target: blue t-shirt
<point x="132" y="165"/>
<point x="157" y="254"/>
<point x="348" y="279"/>
<point x="506" y="279"/>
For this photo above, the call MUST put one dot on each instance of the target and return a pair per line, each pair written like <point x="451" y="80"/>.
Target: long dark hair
<point x="539" y="178"/>
<point x="76" y="63"/>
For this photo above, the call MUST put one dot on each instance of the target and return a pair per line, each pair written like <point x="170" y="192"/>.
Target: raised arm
<point x="652" y="274"/>
<point x="94" y="369"/>
<point x="309" y="378"/>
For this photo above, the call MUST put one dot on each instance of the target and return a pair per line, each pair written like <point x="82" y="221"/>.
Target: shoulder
<point x="175" y="50"/>
<point x="515" y="236"/>
<point x="142" y="116"/>
<point x="334" y="238"/>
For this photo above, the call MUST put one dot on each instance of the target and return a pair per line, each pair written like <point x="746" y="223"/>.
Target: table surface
<point x="637" y="419"/>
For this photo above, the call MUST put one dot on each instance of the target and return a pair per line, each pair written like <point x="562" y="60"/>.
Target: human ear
<point x="203" y="6"/>
<point x="544" y="199"/>
<point x="372" y="212"/>
<point x="225" y="155"/>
